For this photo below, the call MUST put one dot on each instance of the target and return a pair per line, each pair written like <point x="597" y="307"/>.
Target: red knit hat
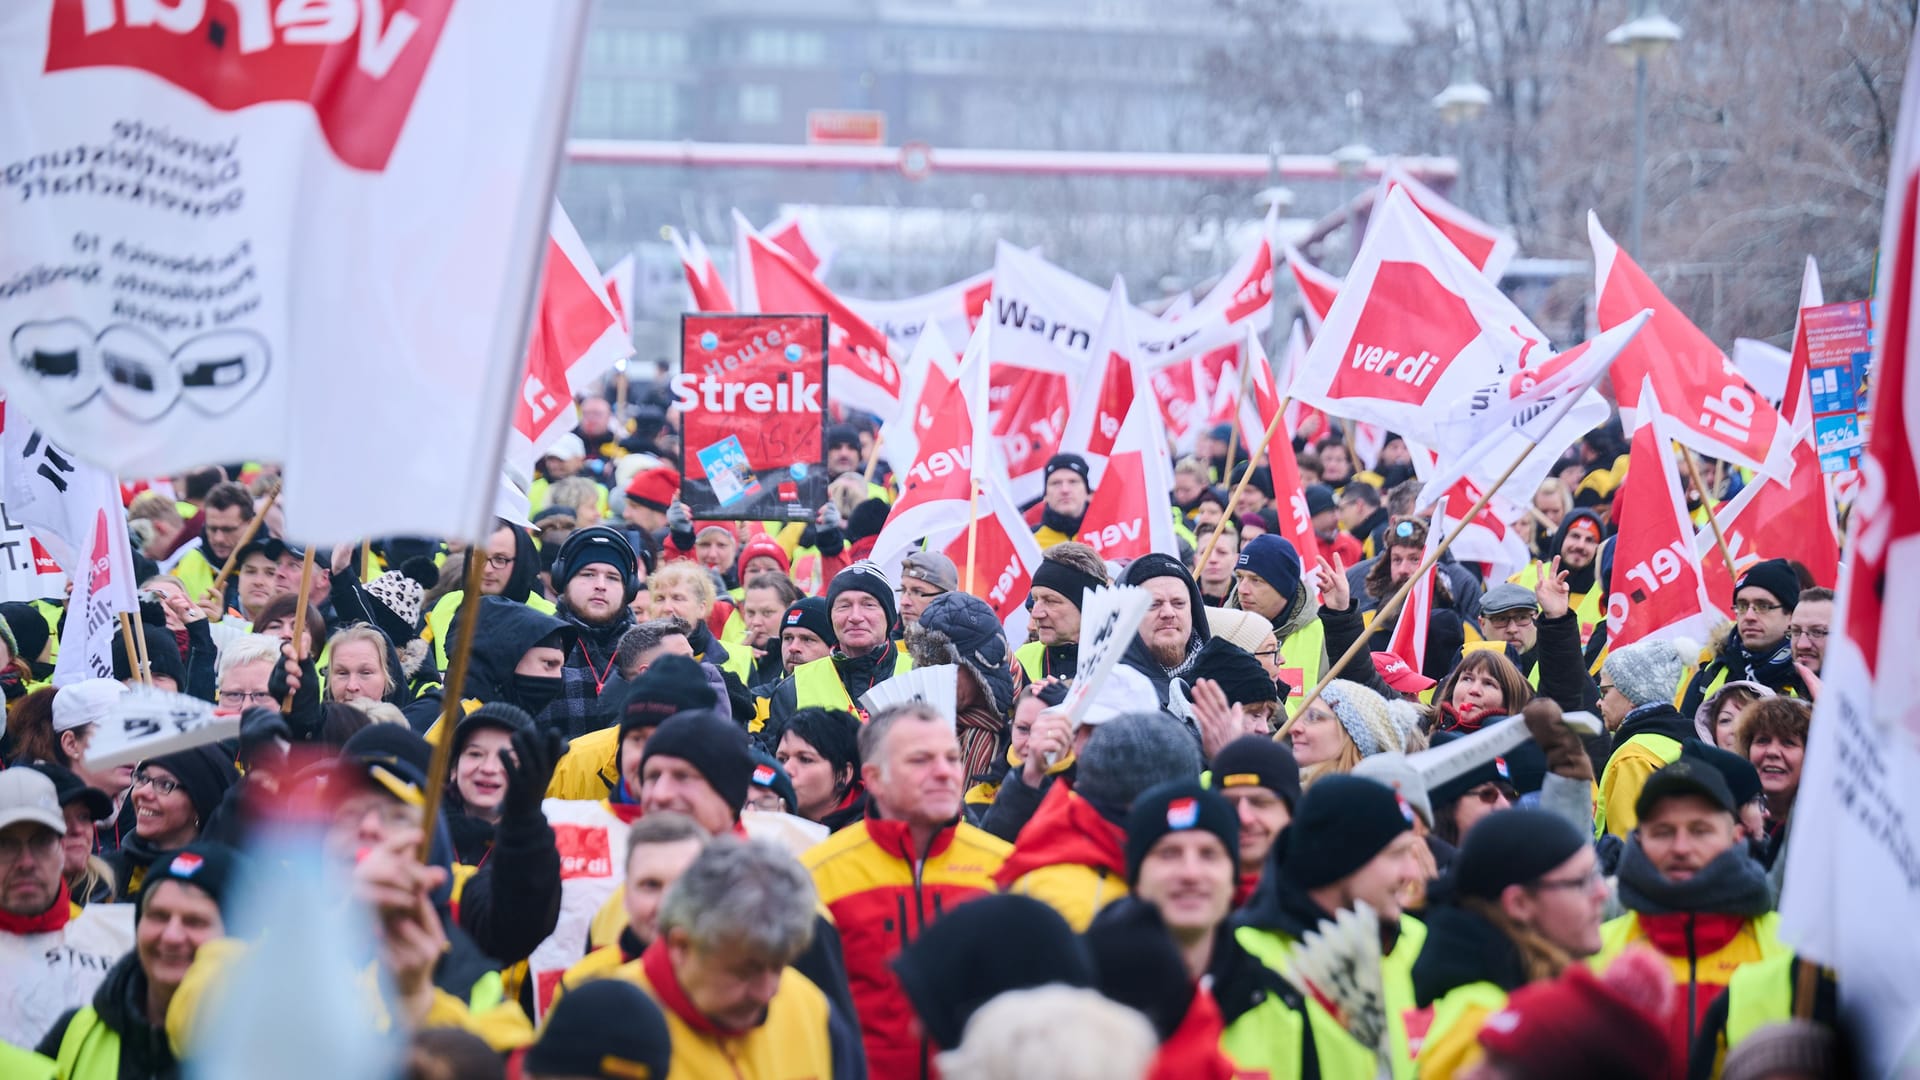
<point x="655" y="488"/>
<point x="1581" y="1025"/>
<point x="763" y="545"/>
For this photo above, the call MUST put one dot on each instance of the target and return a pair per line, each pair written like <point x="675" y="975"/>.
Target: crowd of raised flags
<point x="1438" y="700"/>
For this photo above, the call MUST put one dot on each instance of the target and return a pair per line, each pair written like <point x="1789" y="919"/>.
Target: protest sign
<point x="146" y="723"/>
<point x="1839" y="349"/>
<point x="749" y="391"/>
<point x="1109" y="618"/>
<point x="27" y="572"/>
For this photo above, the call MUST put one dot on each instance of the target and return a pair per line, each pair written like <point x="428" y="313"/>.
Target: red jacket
<point x="881" y="897"/>
<point x="1193" y="1051"/>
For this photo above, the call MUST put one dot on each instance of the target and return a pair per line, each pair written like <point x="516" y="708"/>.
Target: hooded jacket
<point x="1071" y="856"/>
<point x="1651" y="736"/>
<point x="1706" y="926"/>
<point x="114" y="1029"/>
<point x="1140" y="658"/>
<point x="504" y="634"/>
<point x="882" y="895"/>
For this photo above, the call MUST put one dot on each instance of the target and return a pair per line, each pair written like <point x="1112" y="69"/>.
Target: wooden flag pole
<point x="873" y="458"/>
<point x="442" y="761"/>
<point x="1713" y="521"/>
<point x="135" y="655"/>
<point x="300" y="615"/>
<point x="1392" y="607"/>
<point x="219" y="587"/>
<point x="1233" y="499"/>
<point x="366" y="560"/>
<point x="973" y="526"/>
<point x="140" y="648"/>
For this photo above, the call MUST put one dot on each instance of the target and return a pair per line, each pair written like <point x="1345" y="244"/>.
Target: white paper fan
<point x="938" y="687"/>
<point x="1340" y="961"/>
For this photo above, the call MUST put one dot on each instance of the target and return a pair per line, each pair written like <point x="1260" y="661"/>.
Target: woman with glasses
<point x="174" y="796"/>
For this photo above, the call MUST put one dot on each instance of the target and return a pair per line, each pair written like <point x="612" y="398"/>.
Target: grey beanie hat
<point x="1394" y="769"/>
<point x="1649" y="672"/>
<point x="1364" y="714"/>
<point x="1131" y="753"/>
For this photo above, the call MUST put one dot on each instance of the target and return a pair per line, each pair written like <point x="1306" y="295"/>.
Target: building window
<point x="784" y="48"/>
<point x="759" y="104"/>
<point x="648" y="109"/>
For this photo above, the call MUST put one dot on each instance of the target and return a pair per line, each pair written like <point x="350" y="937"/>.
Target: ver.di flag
<point x="1409" y="641"/>
<point x="1415" y="328"/>
<point x="1487" y="247"/>
<point x="1854" y="857"/>
<point x="1658" y="588"/>
<point x="704" y="285"/>
<point x="1317" y="288"/>
<point x="237" y="230"/>
<point x="1107" y="392"/>
<point x="937" y="486"/>
<point x="1128" y="515"/>
<point x="1712" y="407"/>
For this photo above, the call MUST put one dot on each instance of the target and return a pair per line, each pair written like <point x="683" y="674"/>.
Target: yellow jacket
<point x="792" y="1041"/>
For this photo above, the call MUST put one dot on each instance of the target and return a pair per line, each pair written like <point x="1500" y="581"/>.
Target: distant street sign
<point x="846" y="127"/>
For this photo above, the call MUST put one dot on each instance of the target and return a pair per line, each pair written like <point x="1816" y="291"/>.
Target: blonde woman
<point x="1345" y="724"/>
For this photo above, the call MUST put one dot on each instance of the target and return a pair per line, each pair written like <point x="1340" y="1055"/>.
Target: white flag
<point x="305" y="233"/>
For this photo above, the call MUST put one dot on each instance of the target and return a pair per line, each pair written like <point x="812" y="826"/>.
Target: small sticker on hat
<point x="1406" y="808"/>
<point x="1500" y="766"/>
<point x="1183" y="812"/>
<point x="763" y="775"/>
<point x="793" y="617"/>
<point x="1241" y="779"/>
<point x="186" y="864"/>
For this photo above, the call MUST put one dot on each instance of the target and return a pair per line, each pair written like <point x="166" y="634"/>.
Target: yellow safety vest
<point x="1338" y="1053"/>
<point x="1759" y="994"/>
<point x="1301" y="657"/>
<point x="1590" y="606"/>
<point x="817" y="683"/>
<point x="1664" y="747"/>
<point x="90" y="1050"/>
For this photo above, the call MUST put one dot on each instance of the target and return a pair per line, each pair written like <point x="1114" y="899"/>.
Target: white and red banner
<point x="28" y="571"/>
<point x="1004" y="556"/>
<point x="1250" y="370"/>
<point x="1107" y="392"/>
<point x="900" y="433"/>
<point x="1317" y="288"/>
<point x="953" y="308"/>
<point x="937" y="482"/>
<point x="592" y="842"/>
<point x="1796" y="395"/>
<point x="1714" y="409"/>
<point x="1129" y="514"/>
<point x="751" y="396"/>
<point x="1488" y="247"/>
<point x="1244" y="294"/>
<point x="1769" y="519"/>
<point x="618" y="284"/>
<point x="797" y="233"/>
<point x="1856" y="819"/>
<point x="1416" y="615"/>
<point x="1415" y="328"/>
<point x="1659" y="589"/>
<point x="865" y="376"/>
<point x="705" y="286"/>
<point x="231" y="226"/>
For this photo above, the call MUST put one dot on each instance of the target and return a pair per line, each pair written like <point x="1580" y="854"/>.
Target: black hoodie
<point x="1580" y="581"/>
<point x="1462" y="947"/>
<point x="504" y="634"/>
<point x="121" y="1002"/>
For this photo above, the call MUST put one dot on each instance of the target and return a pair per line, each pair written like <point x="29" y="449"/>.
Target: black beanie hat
<point x="1512" y="847"/>
<point x="1776" y="576"/>
<point x="1743" y="780"/>
<point x="1342" y="823"/>
<point x="1153" y="565"/>
<point x="30" y="631"/>
<point x="1139" y="965"/>
<point x="606" y="1028"/>
<point x="809" y="613"/>
<point x="1073" y="463"/>
<point x="383" y="742"/>
<point x="1241" y="677"/>
<point x="494" y="714"/>
<point x="983" y="949"/>
<point x="866" y="520"/>
<point x="671" y="684"/>
<point x="1257" y="761"/>
<point x="768" y="774"/>
<point x="212" y="868"/>
<point x="163" y="652"/>
<point x="1177" y="806"/>
<point x="204" y="772"/>
<point x="1069" y="581"/>
<point x="714" y="745"/>
<point x="596" y="544"/>
<point x="867" y="578"/>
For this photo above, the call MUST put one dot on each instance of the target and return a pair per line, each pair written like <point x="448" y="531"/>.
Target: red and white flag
<point x="1658" y="588"/>
<point x="704" y="284"/>
<point x="1416" y="614"/>
<point x="1712" y="406"/>
<point x="1796" y="398"/>
<point x="1487" y="537"/>
<point x="1129" y="514"/>
<point x="1317" y="288"/>
<point x="1044" y="320"/>
<point x="1244" y="295"/>
<point x="953" y="308"/>
<point x="937" y="484"/>
<point x="1290" y="499"/>
<point x="1769" y="520"/>
<point x="1303" y="420"/>
<point x="1107" y="393"/>
<point x="797" y="233"/>
<point x="1256" y="408"/>
<point x="900" y="433"/>
<point x="1488" y="247"/>
<point x="1004" y="555"/>
<point x="576" y="338"/>
<point x="861" y="372"/>
<point x="1415" y="328"/>
<point x="1182" y="411"/>
<point x="1539" y="411"/>
<point x="618" y="283"/>
<point x="1859" y="797"/>
<point x="282" y="224"/>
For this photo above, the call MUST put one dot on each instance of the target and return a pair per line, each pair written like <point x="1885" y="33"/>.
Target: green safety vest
<point x="1590" y="606"/>
<point x="1759" y="994"/>
<point x="1664" y="747"/>
<point x="1277" y="1031"/>
<point x="1031" y="656"/>
<point x="817" y="683"/>
<point x="90" y="1050"/>
<point x="1301" y="658"/>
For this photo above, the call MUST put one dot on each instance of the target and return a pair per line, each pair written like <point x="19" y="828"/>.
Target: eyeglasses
<point x="1583" y="883"/>
<point x="244" y="698"/>
<point x="1264" y="653"/>
<point x="500" y="562"/>
<point x="163" y="787"/>
<point x="1512" y="618"/>
<point x="1605" y="689"/>
<point x="1757" y="607"/>
<point x="1487" y="794"/>
<point x="1816" y="633"/>
<point x="42" y="842"/>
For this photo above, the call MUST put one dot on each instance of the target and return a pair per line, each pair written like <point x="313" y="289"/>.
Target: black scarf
<point x="1732" y="884"/>
<point x="1773" y="668"/>
<point x="1061" y="523"/>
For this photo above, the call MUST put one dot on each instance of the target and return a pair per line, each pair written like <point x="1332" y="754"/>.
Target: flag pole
<point x="1233" y="499"/>
<point x="1713" y="520"/>
<point x="1233" y="430"/>
<point x="873" y="456"/>
<point x="140" y="646"/>
<point x="973" y="526"/>
<point x="135" y="656"/>
<point x="219" y="587"/>
<point x="1392" y="607"/>
<point x="442" y="759"/>
<point x="300" y="615"/>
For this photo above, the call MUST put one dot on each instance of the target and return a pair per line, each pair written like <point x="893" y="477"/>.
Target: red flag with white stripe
<point x="704" y="283"/>
<point x="1108" y="390"/>
<point x="1796" y="401"/>
<point x="1005" y="555"/>
<point x="798" y="234"/>
<point x="1658" y="587"/>
<point x="1410" y="632"/>
<point x="575" y="339"/>
<point x="618" y="283"/>
<point x="1129" y="515"/>
<point x="1317" y="288"/>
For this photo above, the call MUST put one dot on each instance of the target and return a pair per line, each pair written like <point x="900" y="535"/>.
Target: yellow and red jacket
<point x="881" y="896"/>
<point x="1069" y="857"/>
<point x="794" y="1038"/>
<point x="1703" y="951"/>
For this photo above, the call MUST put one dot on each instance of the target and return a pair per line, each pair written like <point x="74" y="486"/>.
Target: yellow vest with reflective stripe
<point x="1590" y="606"/>
<point x="816" y="683"/>
<point x="90" y="1050"/>
<point x="1301" y="657"/>
<point x="1452" y="1040"/>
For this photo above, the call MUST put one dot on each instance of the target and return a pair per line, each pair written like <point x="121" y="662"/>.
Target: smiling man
<point x="910" y="862"/>
<point x="860" y="610"/>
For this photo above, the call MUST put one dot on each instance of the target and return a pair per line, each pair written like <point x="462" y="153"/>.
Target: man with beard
<point x="1271" y="585"/>
<point x="222" y="518"/>
<point x="1067" y="572"/>
<point x="597" y="577"/>
<point x="1175" y="627"/>
<point x="1757" y="650"/>
<point x="1577" y="545"/>
<point x="1807" y="633"/>
<point x="1068" y="492"/>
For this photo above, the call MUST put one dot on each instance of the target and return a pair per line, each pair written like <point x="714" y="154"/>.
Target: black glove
<point x="262" y="731"/>
<point x="303" y="718"/>
<point x="530" y="769"/>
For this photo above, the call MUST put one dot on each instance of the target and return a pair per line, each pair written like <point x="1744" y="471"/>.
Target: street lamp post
<point x="1638" y="40"/>
<point x="1350" y="160"/>
<point x="1462" y="102"/>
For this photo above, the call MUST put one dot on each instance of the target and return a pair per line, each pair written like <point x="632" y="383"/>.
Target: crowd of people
<point x="1210" y="871"/>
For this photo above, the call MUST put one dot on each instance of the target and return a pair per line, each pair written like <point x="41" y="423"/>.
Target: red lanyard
<point x="599" y="680"/>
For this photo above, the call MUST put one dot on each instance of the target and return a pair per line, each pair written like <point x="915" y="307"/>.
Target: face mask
<point x="535" y="692"/>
